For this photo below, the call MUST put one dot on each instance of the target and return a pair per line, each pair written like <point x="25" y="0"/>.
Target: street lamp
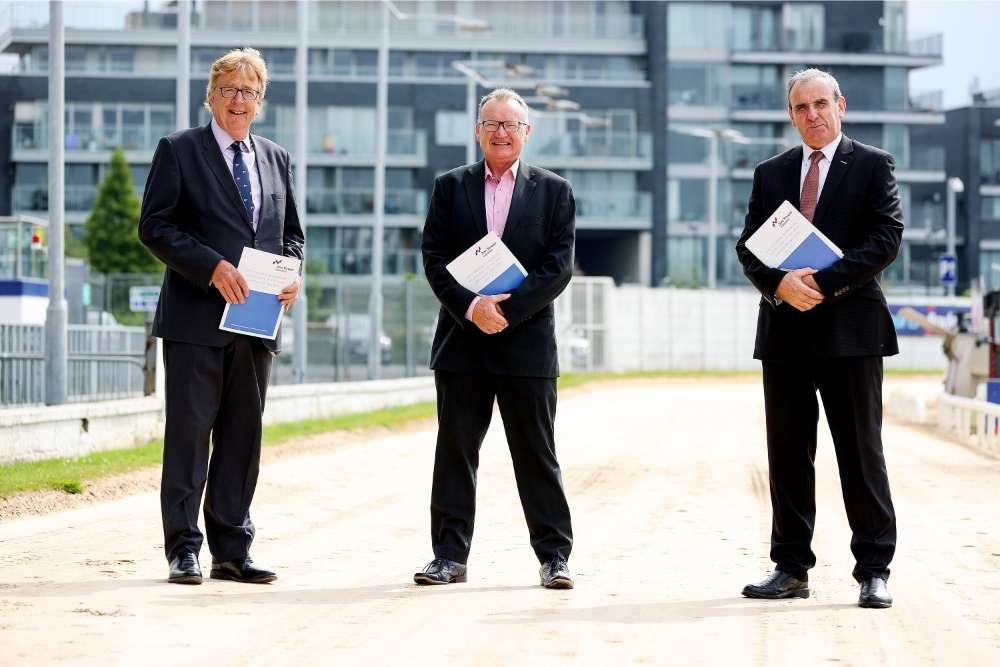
<point x="714" y="135"/>
<point x="954" y="186"/>
<point x="389" y="12"/>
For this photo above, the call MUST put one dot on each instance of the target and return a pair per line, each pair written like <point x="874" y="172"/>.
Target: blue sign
<point x="945" y="316"/>
<point x="947" y="270"/>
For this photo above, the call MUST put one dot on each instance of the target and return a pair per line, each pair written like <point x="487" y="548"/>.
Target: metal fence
<point x="104" y="362"/>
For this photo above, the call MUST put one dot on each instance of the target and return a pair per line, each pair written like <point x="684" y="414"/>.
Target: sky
<point x="971" y="47"/>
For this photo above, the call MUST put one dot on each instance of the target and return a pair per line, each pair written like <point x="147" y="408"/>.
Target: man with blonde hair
<point x="213" y="191"/>
<point x="500" y="347"/>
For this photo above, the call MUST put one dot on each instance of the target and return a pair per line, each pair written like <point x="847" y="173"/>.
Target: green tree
<point x="111" y="232"/>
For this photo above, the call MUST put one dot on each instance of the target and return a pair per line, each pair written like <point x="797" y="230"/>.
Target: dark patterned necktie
<point x="810" y="187"/>
<point x="242" y="176"/>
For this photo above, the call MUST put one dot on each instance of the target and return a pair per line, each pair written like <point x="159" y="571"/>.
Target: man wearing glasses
<point x="211" y="192"/>
<point x="498" y="347"/>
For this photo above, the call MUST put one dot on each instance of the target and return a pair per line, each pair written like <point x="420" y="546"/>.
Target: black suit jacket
<point x="192" y="217"/>
<point x="540" y="231"/>
<point x="859" y="210"/>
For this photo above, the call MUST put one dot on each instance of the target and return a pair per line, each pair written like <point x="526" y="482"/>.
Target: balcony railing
<point x="517" y="19"/>
<point x="362" y="202"/>
<point x="128" y="15"/>
<point x="609" y="205"/>
<point x="129" y="137"/>
<point x="924" y="158"/>
<point x="400" y="143"/>
<point x="623" y="145"/>
<point x="359" y="262"/>
<point x="36" y="198"/>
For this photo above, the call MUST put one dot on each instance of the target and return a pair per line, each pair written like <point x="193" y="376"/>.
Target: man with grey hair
<point x="501" y="347"/>
<point x="213" y="191"/>
<point x="826" y="329"/>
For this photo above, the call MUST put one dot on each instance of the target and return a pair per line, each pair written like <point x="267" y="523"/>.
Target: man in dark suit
<point x="826" y="330"/>
<point x="498" y="347"/>
<point x="211" y="192"/>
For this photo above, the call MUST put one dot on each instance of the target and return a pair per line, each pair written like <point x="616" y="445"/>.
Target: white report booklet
<point x="787" y="240"/>
<point x="266" y="275"/>
<point x="487" y="267"/>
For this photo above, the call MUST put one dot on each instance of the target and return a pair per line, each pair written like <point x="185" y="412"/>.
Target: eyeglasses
<point x="249" y="94"/>
<point x="494" y="125"/>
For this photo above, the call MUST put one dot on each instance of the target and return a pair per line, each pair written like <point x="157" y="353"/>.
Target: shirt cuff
<point x="472" y="307"/>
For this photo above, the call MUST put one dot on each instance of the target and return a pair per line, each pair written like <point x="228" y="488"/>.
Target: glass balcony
<point x="623" y="145"/>
<point x="401" y="143"/>
<point x="924" y="158"/>
<point x="361" y="202"/>
<point x="129" y="137"/>
<point x="359" y="262"/>
<point x="121" y="15"/>
<point x="78" y="198"/>
<point x="612" y="206"/>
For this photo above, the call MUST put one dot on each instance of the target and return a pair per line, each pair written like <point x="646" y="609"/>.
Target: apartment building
<point x="644" y="85"/>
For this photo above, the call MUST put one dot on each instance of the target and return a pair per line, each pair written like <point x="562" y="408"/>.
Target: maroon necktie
<point x="810" y="188"/>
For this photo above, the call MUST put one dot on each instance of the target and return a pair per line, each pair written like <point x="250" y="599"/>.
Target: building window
<point x="757" y="87"/>
<point x="686" y="260"/>
<point x="896" y="97"/>
<point x="687" y="200"/>
<point x="989" y="161"/>
<point x="452" y="128"/>
<point x="802" y="27"/>
<point x="698" y="26"/>
<point x="990" y="208"/>
<point x="755" y="28"/>
<point x="697" y="84"/>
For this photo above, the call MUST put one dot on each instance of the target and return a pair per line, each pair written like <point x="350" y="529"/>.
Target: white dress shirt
<point x="249" y="159"/>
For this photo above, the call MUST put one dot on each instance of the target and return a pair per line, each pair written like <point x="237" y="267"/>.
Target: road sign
<point x="947" y="270"/>
<point x="143" y="298"/>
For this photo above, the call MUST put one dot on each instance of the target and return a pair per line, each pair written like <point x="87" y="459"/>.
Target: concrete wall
<point x="42" y="432"/>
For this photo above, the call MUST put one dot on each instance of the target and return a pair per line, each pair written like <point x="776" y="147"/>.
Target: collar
<point x="827" y="150"/>
<point x="224" y="140"/>
<point x="512" y="170"/>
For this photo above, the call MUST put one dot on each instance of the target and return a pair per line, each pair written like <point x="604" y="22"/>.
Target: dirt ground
<point x="668" y="487"/>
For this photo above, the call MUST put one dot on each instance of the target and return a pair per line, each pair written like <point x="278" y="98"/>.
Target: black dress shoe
<point x="184" y="569"/>
<point x="776" y="586"/>
<point x="874" y="594"/>
<point x="555" y="574"/>
<point x="242" y="570"/>
<point x="441" y="571"/>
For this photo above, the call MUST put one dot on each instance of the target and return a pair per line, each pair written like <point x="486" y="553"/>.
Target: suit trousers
<point x="851" y="389"/>
<point x="217" y="393"/>
<point x="528" y="409"/>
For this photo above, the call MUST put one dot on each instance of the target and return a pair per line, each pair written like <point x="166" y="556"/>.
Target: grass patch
<point x="71" y="474"/>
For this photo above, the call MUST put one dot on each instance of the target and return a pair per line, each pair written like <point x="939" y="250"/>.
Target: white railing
<point x="974" y="422"/>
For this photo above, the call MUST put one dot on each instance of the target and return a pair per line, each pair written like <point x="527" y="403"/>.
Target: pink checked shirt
<point x="499" y="192"/>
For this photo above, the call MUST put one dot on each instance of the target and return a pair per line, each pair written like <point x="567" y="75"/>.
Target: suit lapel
<point x="791" y="174"/>
<point x="217" y="164"/>
<point x="268" y="185"/>
<point x="841" y="162"/>
<point x="524" y="187"/>
<point x="475" y="189"/>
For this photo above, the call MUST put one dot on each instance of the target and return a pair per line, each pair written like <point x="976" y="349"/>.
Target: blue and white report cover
<point x="266" y="275"/>
<point x="487" y="267"/>
<point x="787" y="240"/>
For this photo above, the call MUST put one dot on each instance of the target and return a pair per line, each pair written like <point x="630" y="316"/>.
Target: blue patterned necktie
<point x="242" y="176"/>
